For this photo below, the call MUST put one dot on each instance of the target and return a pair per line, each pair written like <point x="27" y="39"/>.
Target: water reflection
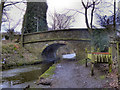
<point x="13" y="77"/>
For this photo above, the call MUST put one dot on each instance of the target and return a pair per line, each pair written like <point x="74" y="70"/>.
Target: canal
<point x="23" y="76"/>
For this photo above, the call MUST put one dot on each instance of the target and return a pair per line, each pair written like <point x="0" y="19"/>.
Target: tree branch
<point x="83" y="4"/>
<point x="86" y="19"/>
<point x="92" y="14"/>
<point x="11" y="4"/>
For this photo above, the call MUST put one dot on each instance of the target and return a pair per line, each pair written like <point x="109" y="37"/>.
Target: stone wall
<point x="72" y="34"/>
<point x="76" y="39"/>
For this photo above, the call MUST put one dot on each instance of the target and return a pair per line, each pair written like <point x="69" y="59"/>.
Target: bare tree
<point x="4" y="5"/>
<point x="99" y="38"/>
<point x="61" y="21"/>
<point x="92" y="6"/>
<point x="107" y="21"/>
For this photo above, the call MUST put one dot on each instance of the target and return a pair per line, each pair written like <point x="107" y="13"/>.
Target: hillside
<point x="14" y="55"/>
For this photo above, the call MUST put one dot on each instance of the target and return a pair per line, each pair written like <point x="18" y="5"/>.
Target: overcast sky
<point x="53" y="5"/>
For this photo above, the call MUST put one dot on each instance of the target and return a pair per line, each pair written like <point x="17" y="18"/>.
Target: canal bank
<point x="21" y="77"/>
<point x="65" y="74"/>
<point x="20" y="67"/>
<point x="68" y="73"/>
<point x="74" y="74"/>
<point x="13" y="55"/>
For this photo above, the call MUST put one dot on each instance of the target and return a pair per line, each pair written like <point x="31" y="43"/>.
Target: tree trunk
<point x="92" y="14"/>
<point x="35" y="17"/>
<point x="1" y="12"/>
<point x="23" y="29"/>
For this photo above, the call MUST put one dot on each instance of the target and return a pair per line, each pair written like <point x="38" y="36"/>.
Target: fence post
<point x="118" y="48"/>
<point x="110" y="57"/>
<point x="92" y="61"/>
<point x="86" y="56"/>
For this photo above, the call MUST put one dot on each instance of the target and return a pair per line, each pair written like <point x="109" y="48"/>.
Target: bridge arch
<point x="49" y="51"/>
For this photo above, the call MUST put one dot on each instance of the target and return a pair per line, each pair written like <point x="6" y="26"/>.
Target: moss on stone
<point x="81" y="62"/>
<point x="20" y="63"/>
<point x="56" y="39"/>
<point x="102" y="77"/>
<point x="49" y="72"/>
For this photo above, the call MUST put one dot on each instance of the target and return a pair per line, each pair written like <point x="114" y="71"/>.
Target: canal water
<point x="23" y="76"/>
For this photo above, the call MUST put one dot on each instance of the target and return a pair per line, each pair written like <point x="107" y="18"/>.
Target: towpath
<point x="69" y="74"/>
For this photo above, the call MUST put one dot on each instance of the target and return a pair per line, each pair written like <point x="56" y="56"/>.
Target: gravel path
<point x="68" y="74"/>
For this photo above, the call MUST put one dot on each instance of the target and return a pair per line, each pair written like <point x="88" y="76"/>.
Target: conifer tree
<point x="35" y="17"/>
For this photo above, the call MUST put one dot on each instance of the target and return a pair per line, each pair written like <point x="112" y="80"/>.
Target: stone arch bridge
<point x="45" y="44"/>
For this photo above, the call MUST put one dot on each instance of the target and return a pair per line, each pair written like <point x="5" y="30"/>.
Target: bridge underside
<point x="49" y="53"/>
